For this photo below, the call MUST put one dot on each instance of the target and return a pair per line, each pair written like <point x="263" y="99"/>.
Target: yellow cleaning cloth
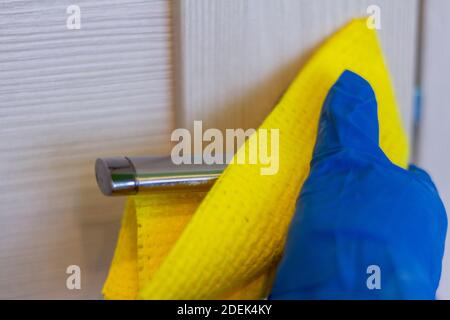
<point x="226" y="243"/>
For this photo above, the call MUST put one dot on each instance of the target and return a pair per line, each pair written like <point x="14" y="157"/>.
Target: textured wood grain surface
<point x="67" y="97"/>
<point x="435" y="139"/>
<point x="236" y="57"/>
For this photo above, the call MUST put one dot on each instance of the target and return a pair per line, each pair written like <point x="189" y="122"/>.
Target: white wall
<point x="67" y="97"/>
<point x="235" y="58"/>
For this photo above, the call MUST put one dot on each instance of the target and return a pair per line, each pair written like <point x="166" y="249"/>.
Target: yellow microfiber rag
<point x="227" y="242"/>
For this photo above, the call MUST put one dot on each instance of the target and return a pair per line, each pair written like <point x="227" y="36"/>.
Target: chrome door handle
<point x="120" y="176"/>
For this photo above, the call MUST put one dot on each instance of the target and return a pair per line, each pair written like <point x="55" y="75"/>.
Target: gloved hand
<point x="364" y="228"/>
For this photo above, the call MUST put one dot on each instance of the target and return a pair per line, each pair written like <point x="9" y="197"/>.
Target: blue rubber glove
<point x="364" y="228"/>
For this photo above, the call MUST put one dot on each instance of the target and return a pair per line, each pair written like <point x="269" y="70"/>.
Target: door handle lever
<point x="121" y="176"/>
